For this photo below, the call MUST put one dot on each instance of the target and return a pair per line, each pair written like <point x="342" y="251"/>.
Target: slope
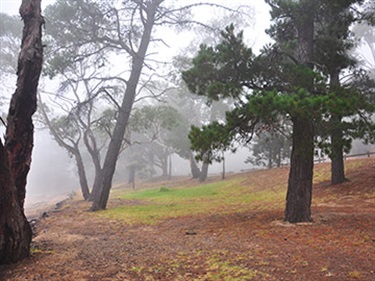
<point x="223" y="230"/>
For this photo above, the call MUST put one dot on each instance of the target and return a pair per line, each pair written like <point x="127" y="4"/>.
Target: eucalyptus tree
<point x="124" y="32"/>
<point x="281" y="81"/>
<point x="155" y="125"/>
<point x="65" y="131"/>
<point x="15" y="153"/>
<point x="81" y="106"/>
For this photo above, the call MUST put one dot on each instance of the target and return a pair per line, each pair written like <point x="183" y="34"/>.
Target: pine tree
<point x="283" y="80"/>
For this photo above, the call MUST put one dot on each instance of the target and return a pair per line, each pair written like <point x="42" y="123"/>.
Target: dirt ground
<point x="73" y="244"/>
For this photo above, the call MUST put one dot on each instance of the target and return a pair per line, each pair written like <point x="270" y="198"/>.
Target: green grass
<point x="163" y="203"/>
<point x="261" y="190"/>
<point x="323" y="172"/>
<point x="164" y="193"/>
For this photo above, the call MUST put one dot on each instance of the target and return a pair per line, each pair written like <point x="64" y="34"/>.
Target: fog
<point x="53" y="172"/>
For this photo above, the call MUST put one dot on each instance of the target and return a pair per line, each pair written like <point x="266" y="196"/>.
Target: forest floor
<point x="230" y="240"/>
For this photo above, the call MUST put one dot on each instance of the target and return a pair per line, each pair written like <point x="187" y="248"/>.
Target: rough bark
<point x="299" y="194"/>
<point x="110" y="161"/>
<point x="15" y="231"/>
<point x="19" y="134"/>
<point x="337" y="156"/>
<point x="15" y="155"/>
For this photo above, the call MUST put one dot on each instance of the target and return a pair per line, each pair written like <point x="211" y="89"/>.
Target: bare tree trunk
<point x="15" y="156"/>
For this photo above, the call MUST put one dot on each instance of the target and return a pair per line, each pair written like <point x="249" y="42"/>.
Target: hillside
<point x="222" y="230"/>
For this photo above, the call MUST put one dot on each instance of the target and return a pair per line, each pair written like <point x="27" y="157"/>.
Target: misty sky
<point x="53" y="172"/>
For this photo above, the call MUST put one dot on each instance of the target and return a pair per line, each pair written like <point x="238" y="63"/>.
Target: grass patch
<point x="164" y="193"/>
<point x="261" y="190"/>
<point x="164" y="203"/>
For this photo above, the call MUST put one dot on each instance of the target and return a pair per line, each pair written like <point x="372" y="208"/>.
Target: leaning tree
<point x="15" y="153"/>
<point x="127" y="33"/>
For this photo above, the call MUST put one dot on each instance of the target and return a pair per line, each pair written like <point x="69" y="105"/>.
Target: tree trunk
<point x="204" y="172"/>
<point x="15" y="231"/>
<point x="110" y="161"/>
<point x="15" y="156"/>
<point x="195" y="172"/>
<point x="132" y="176"/>
<point x="337" y="156"/>
<point x="223" y="173"/>
<point x="270" y="160"/>
<point x="92" y="148"/>
<point x="96" y="185"/>
<point x="164" y="165"/>
<point x="170" y="167"/>
<point x="82" y="175"/>
<point x="20" y="130"/>
<point x="299" y="194"/>
<point x="278" y="158"/>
